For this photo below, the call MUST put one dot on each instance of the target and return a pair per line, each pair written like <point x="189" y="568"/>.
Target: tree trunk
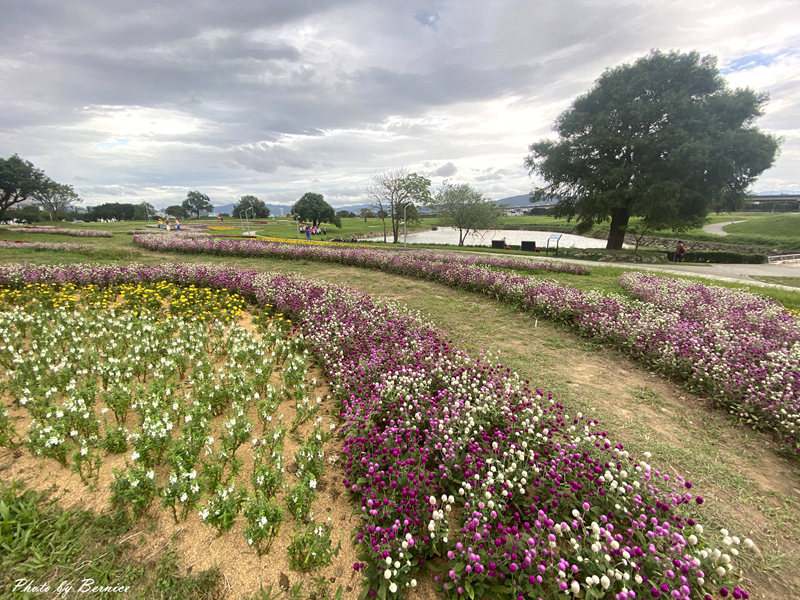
<point x="616" y="233"/>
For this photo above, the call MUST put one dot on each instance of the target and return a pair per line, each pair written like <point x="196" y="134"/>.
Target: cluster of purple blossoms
<point x="741" y="349"/>
<point x="457" y="463"/>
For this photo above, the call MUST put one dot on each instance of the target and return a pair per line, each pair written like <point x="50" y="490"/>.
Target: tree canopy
<point x="464" y="208"/>
<point x="19" y="181"/>
<point x="394" y="190"/>
<point x="177" y="211"/>
<point x="120" y="211"/>
<point x="250" y="206"/>
<point x="197" y="203"/>
<point x="663" y="138"/>
<point x="144" y="211"/>
<point x="313" y="208"/>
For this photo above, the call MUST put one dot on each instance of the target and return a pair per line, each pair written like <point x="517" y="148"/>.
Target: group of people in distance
<point x="166" y="224"/>
<point x="310" y="230"/>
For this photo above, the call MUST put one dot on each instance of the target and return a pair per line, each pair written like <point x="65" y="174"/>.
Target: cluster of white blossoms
<point x="177" y="393"/>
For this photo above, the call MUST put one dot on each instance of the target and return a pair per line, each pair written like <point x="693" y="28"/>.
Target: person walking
<point x="680" y="251"/>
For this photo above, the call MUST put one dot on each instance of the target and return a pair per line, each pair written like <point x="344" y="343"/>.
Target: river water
<point x="484" y="237"/>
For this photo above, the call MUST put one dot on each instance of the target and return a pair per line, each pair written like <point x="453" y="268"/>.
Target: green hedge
<point x="721" y="257"/>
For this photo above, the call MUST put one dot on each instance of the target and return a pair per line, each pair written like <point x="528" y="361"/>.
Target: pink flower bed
<point x="65" y="246"/>
<point x="62" y="231"/>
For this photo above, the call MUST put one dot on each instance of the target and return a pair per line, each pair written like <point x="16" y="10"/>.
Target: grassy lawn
<point x="790" y="281"/>
<point x="778" y="231"/>
<point x="785" y="225"/>
<point x="47" y="545"/>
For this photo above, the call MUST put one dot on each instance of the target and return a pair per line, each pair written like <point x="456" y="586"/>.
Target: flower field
<point x="60" y="231"/>
<point x="164" y="396"/>
<point x="455" y="463"/>
<point x="740" y="350"/>
<point x="332" y="252"/>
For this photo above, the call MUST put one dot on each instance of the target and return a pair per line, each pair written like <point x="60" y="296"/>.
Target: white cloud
<point x="145" y="103"/>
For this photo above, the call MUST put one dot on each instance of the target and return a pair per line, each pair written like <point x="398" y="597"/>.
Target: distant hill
<point x="278" y="210"/>
<point x="523" y="201"/>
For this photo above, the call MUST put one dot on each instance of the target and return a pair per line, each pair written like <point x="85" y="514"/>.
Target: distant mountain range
<point x="280" y="210"/>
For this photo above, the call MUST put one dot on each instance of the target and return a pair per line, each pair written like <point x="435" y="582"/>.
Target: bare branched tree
<point x="391" y="191"/>
<point x="55" y="198"/>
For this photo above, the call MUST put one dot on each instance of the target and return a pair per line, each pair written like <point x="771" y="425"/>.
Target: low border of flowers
<point x="458" y="464"/>
<point x="57" y="246"/>
<point x="391" y="260"/>
<point x="45" y="229"/>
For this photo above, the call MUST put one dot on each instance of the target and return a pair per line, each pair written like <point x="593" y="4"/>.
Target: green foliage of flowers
<point x="116" y="440"/>
<point x="311" y="547"/>
<point x="300" y="498"/>
<point x="264" y="519"/>
<point x="222" y="508"/>
<point x="267" y="477"/>
<point x="7" y="437"/>
<point x="133" y="490"/>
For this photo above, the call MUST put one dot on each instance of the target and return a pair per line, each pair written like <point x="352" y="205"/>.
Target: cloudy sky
<point x="132" y="101"/>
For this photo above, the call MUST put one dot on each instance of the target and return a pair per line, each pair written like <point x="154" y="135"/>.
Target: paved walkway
<point x="722" y="272"/>
<point x="718" y="228"/>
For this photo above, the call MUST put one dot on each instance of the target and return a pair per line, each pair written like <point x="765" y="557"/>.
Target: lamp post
<point x="405" y="226"/>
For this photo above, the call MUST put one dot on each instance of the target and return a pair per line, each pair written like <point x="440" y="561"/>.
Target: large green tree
<point x="392" y="194"/>
<point x="313" y="208"/>
<point x="197" y="203"/>
<point x="252" y="207"/>
<point x="464" y="208"/>
<point x="19" y="181"/>
<point x="663" y="138"/>
<point x="176" y="210"/>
